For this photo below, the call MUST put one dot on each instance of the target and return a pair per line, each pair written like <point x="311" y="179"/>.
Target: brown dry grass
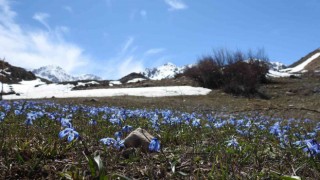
<point x="298" y="98"/>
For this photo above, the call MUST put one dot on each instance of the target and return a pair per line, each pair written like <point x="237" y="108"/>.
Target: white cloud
<point x="68" y="8"/>
<point x="176" y="4"/>
<point x="32" y="48"/>
<point x="125" y="62"/>
<point x="42" y="18"/>
<point x="154" y="51"/>
<point x="130" y="64"/>
<point x="127" y="45"/>
<point x="120" y="66"/>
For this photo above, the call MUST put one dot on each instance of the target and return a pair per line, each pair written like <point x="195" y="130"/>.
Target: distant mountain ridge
<point x="276" y="66"/>
<point x="169" y="70"/>
<point x="57" y="74"/>
<point x="166" y="71"/>
<point x="310" y="62"/>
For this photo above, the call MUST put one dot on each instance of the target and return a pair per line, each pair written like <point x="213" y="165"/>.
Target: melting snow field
<point x="277" y="74"/>
<point x="301" y="66"/>
<point x="37" y="89"/>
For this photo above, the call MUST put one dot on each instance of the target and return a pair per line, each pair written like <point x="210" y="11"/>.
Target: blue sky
<point x="112" y="38"/>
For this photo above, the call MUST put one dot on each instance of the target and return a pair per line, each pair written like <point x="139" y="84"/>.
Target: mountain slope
<point x="131" y="77"/>
<point x="57" y="74"/>
<point x="13" y="74"/>
<point x="310" y="62"/>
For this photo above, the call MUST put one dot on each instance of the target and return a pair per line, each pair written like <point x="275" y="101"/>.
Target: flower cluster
<point x="285" y="132"/>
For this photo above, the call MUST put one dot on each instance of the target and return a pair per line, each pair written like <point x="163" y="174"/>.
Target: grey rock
<point x="138" y="138"/>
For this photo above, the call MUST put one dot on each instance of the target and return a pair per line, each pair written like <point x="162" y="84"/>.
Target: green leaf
<point x="92" y="166"/>
<point x="290" y="178"/>
<point x="20" y="158"/>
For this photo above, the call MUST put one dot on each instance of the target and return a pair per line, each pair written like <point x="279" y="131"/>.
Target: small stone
<point x="94" y="100"/>
<point x="138" y="138"/>
<point x="289" y="93"/>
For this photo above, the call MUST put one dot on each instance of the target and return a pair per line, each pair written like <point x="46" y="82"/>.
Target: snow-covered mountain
<point x="310" y="62"/>
<point x="57" y="74"/>
<point x="88" y="77"/>
<point x="168" y="70"/>
<point x="276" y="66"/>
<point x="53" y="73"/>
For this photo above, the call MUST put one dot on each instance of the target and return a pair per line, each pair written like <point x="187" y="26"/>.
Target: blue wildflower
<point x="118" y="135"/>
<point x="51" y="116"/>
<point x="310" y="145"/>
<point x="2" y="116"/>
<point x="240" y="122"/>
<point x="17" y="112"/>
<point x="275" y="129"/>
<point x="105" y="117"/>
<point x="154" y="145"/>
<point x="261" y="127"/>
<point x="118" y="144"/>
<point x="30" y="118"/>
<point x="108" y="141"/>
<point x="219" y="124"/>
<point x="196" y="122"/>
<point x="115" y="120"/>
<point x="312" y="134"/>
<point x="70" y="132"/>
<point x="29" y="121"/>
<point x="65" y="122"/>
<point x="92" y="122"/>
<point x="232" y="142"/>
<point x="127" y="128"/>
<point x="232" y="121"/>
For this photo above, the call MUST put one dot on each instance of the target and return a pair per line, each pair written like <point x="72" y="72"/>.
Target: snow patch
<point x="115" y="83"/>
<point x="301" y="66"/>
<point x="136" y="80"/>
<point x="86" y="83"/>
<point x="32" y="90"/>
<point x="278" y="74"/>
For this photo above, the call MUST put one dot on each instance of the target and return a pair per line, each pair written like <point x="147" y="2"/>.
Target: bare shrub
<point x="235" y="72"/>
<point x="207" y="73"/>
<point x="244" y="78"/>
